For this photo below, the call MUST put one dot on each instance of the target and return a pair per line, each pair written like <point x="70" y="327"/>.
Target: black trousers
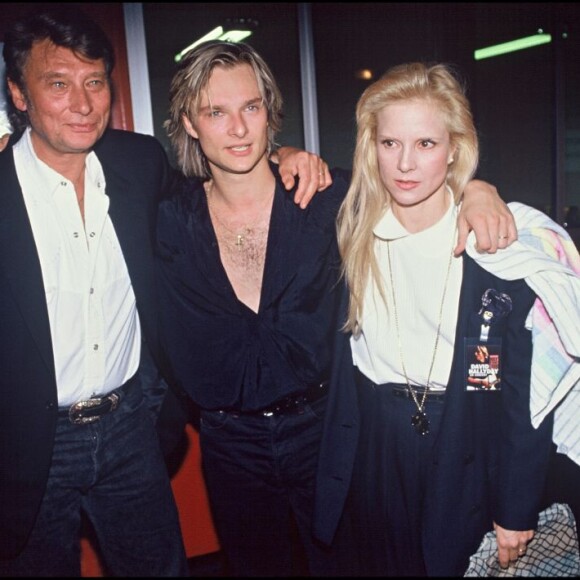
<point x="260" y="474"/>
<point x="390" y="482"/>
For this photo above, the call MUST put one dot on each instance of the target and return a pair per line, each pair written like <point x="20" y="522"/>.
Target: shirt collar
<point x="390" y="228"/>
<point x="37" y="171"/>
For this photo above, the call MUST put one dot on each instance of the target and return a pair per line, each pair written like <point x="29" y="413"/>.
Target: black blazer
<point x="488" y="461"/>
<point x="137" y="173"/>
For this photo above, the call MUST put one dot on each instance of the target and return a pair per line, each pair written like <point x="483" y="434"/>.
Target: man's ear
<point x="17" y="95"/>
<point x="189" y="128"/>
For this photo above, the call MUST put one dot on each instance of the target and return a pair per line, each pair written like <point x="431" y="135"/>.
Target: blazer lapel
<point x="132" y="221"/>
<point x="468" y="307"/>
<point x="128" y="214"/>
<point x="19" y="259"/>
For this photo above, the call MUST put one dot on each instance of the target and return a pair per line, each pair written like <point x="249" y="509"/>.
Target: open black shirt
<point x="225" y="355"/>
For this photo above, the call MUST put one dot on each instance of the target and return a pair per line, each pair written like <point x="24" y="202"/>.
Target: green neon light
<point x="216" y="34"/>
<point x="512" y="46"/>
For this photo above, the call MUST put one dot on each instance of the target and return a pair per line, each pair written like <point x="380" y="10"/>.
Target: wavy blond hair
<point x="367" y="198"/>
<point x="186" y="92"/>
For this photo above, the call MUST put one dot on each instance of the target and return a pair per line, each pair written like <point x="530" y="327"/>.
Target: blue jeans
<point x="114" y="472"/>
<point x="260" y="474"/>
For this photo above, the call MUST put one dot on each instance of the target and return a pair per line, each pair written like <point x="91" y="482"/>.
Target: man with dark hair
<point x="78" y="313"/>
<point x="77" y="203"/>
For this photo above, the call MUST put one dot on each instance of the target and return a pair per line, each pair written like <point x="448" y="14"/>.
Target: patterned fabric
<point x="552" y="552"/>
<point x="547" y="258"/>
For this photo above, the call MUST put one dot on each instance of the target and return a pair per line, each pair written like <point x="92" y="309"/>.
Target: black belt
<point x="403" y="391"/>
<point x="91" y="410"/>
<point x="290" y="404"/>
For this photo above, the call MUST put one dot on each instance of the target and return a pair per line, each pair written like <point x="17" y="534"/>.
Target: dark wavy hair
<point x="63" y="26"/>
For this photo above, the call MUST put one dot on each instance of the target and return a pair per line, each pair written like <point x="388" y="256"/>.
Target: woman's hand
<point x="511" y="544"/>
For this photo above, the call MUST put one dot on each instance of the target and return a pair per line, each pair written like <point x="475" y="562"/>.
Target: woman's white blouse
<point x="420" y="264"/>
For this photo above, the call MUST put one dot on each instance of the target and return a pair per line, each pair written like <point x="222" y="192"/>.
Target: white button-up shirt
<point x="96" y="336"/>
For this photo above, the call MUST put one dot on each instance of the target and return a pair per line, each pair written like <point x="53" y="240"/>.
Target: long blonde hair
<point x="367" y="198"/>
<point x="186" y="92"/>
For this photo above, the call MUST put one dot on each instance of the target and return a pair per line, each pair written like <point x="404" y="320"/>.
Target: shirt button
<point x="92" y="291"/>
<point x="92" y="234"/>
<point x="95" y="347"/>
<point x="76" y="235"/>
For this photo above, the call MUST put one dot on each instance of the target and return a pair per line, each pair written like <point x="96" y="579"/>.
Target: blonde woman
<point x="438" y="464"/>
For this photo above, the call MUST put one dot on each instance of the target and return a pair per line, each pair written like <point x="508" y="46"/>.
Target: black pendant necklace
<point x="420" y="422"/>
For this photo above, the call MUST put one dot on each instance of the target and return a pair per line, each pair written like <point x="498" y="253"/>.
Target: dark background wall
<point x="526" y="104"/>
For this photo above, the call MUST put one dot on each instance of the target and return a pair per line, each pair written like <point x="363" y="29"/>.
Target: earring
<point x="450" y="160"/>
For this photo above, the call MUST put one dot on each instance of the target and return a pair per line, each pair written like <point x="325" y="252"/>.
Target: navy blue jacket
<point x="489" y="463"/>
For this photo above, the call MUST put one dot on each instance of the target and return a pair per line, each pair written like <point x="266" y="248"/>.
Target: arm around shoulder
<point x="491" y="220"/>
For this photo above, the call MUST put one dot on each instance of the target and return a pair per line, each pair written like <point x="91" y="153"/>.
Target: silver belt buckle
<point x="75" y="413"/>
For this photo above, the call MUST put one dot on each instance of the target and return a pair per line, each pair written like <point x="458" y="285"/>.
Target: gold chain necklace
<point x="419" y="419"/>
<point x="239" y="236"/>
